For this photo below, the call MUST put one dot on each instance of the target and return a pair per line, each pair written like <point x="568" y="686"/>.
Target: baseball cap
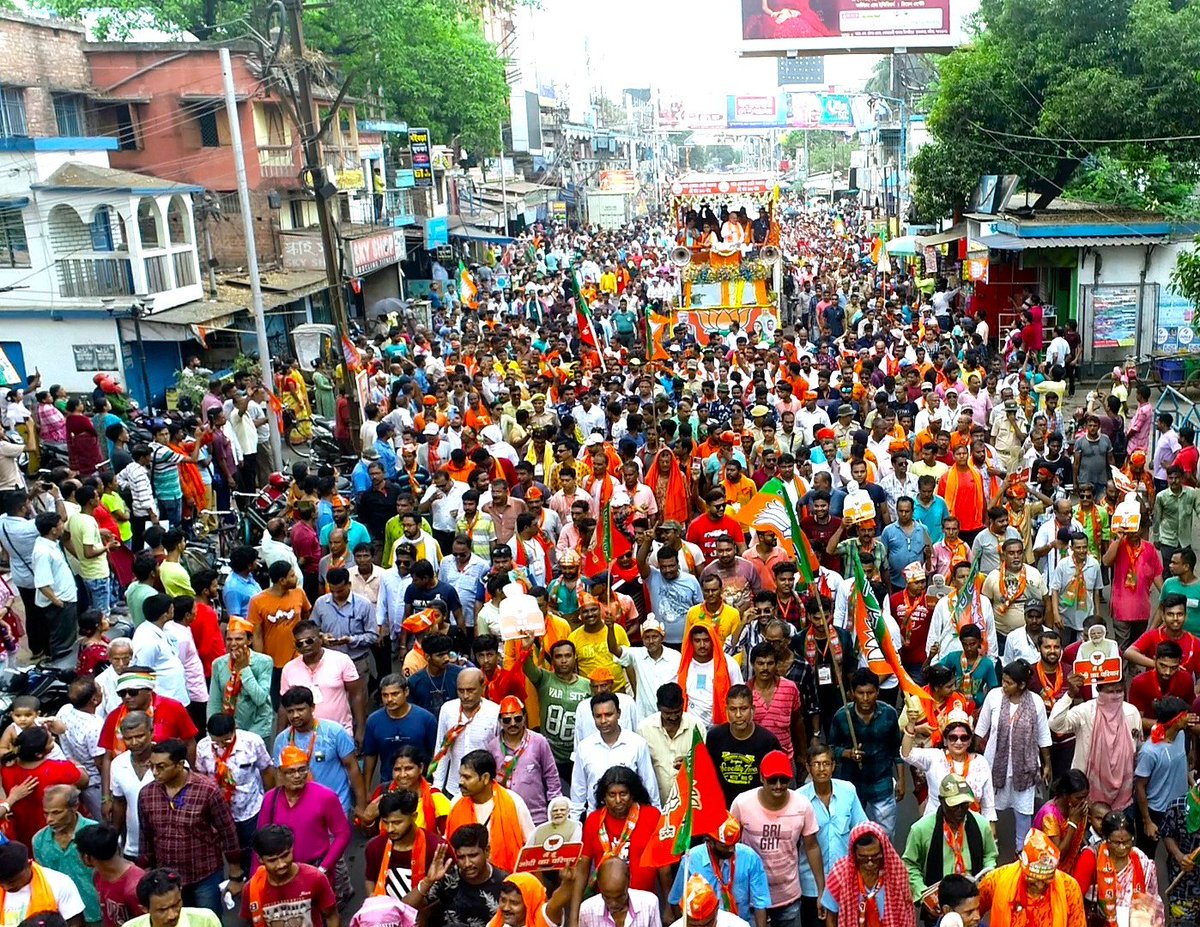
<point x="652" y="624"/>
<point x="955" y="790"/>
<point x="774" y="764"/>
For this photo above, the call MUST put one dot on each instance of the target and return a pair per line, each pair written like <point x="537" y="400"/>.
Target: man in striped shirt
<point x="136" y="478"/>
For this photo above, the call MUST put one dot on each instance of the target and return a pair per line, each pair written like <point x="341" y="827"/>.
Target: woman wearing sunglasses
<point x="957" y="756"/>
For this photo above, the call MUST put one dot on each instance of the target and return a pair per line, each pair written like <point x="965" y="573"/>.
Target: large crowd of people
<point x="356" y="677"/>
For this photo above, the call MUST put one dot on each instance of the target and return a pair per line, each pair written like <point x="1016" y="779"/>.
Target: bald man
<point x="54" y="845"/>
<point x="623" y="904"/>
<point x="469" y="722"/>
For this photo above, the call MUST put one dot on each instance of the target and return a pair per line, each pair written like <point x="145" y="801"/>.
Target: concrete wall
<point x="47" y="345"/>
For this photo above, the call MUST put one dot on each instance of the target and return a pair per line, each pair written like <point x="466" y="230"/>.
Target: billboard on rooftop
<point x="774" y="27"/>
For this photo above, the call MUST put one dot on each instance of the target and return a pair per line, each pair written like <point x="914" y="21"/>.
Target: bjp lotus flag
<point x="874" y="639"/>
<point x="696" y="806"/>
<point x="467" y="290"/>
<point x="771" y="510"/>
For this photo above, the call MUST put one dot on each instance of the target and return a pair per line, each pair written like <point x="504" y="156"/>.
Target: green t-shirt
<point x="1192" y="594"/>
<point x="115" y="503"/>
<point x="135" y="597"/>
<point x="557" y="701"/>
<point x="175" y="579"/>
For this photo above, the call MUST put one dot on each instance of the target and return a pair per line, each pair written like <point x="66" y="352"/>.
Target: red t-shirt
<point x="703" y="532"/>
<point x="170" y="720"/>
<point x="641" y="877"/>
<point x="206" y="630"/>
<point x="118" y="900"/>
<point x="1148" y="643"/>
<point x="1145" y="690"/>
<point x="301" y="901"/>
<point x="818" y="535"/>
<point x="27" y="814"/>
<point x="914" y="628"/>
<point x="1187" y="459"/>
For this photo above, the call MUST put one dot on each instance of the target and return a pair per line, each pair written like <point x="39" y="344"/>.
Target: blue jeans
<point x="206" y="893"/>
<point x="883" y="813"/>
<point x="100" y="592"/>
<point x="171" y="510"/>
<point x="787" y="915"/>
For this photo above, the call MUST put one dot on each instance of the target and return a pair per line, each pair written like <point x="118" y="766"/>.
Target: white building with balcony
<point x="81" y="244"/>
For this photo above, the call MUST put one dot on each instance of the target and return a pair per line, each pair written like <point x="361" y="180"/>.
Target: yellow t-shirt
<point x="727" y="623"/>
<point x="592" y="653"/>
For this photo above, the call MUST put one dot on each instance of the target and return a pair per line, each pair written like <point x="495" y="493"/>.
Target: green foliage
<point x="826" y="150"/>
<point x="1158" y="185"/>
<point x="1185" y="278"/>
<point x="427" y="59"/>
<point x="1043" y="74"/>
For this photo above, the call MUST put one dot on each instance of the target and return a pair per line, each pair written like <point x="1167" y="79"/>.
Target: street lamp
<point x="141" y="306"/>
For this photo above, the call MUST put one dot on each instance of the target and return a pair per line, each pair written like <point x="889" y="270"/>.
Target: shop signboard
<point x="370" y="253"/>
<point x="422" y="160"/>
<point x="1115" y="315"/>
<point x="1175" y="325"/>
<point x="850" y="25"/>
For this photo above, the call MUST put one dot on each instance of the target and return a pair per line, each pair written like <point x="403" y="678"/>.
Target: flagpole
<point x="837" y="667"/>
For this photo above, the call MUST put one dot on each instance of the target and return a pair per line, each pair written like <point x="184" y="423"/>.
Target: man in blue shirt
<point x="930" y="508"/>
<point x="906" y="541"/>
<point x="736" y="860"/>
<point x="333" y="761"/>
<point x="397" y="724"/>
<point x="387" y="453"/>
<point x="241" y="586"/>
<point x="356" y="533"/>
<point x="838" y="810"/>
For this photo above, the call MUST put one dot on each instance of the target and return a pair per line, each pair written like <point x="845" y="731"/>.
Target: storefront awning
<point x="943" y="238"/>
<point x="1018" y="243"/>
<point x="460" y="229"/>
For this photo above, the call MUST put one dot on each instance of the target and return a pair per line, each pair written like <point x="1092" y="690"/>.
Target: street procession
<point x="603" y="487"/>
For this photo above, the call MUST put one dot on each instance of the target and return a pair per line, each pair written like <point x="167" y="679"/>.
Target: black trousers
<point x="62" y="622"/>
<point x="36" y="628"/>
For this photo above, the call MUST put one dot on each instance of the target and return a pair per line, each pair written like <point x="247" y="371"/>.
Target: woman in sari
<point x="102" y="418"/>
<point x="1064" y="819"/>
<point x="1180" y="832"/>
<point x="51" y="423"/>
<point x="1113" y="874"/>
<point x="293" y="393"/>
<point x="83" y="447"/>
<point x="323" y="386"/>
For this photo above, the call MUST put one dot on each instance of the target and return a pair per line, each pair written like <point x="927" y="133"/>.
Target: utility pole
<point x="260" y="323"/>
<point x="311" y="140"/>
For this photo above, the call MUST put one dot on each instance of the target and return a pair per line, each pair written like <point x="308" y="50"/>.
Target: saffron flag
<point x="968" y="609"/>
<point x="696" y="806"/>
<point x="874" y="639"/>
<point x="610" y="544"/>
<point x="771" y="510"/>
<point x="468" y="292"/>
<point x="583" y="316"/>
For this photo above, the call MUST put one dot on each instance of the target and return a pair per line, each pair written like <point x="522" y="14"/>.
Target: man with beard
<point x="954" y="840"/>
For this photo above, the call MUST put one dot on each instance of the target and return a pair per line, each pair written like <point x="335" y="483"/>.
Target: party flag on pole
<point x="696" y="806"/>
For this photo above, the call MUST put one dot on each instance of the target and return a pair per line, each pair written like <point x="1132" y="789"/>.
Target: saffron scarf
<point x="118" y="740"/>
<point x="1134" y="554"/>
<point x="224" y="775"/>
<point x="418" y="862"/>
<point x="229" y="695"/>
<point x="674" y="502"/>
<point x="504" y="825"/>
<point x="533" y="894"/>
<point x="41" y="895"/>
<point x="721" y="681"/>
<point x="611" y="849"/>
<point x="956" y="496"/>
<point x="1010" y="896"/>
<point x="1106" y="881"/>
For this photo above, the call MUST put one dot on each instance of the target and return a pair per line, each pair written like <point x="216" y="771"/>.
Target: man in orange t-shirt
<point x="274" y="613"/>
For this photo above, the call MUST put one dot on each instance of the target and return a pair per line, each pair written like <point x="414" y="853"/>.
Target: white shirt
<point x="936" y="767"/>
<point x="990" y="718"/>
<point x="483" y="729"/>
<point x="273" y="551"/>
<point x="389" y="608"/>
<point x="81" y="740"/>
<point x="1018" y="646"/>
<point x="50" y="568"/>
<point x="585" y="724"/>
<point x="943" y="629"/>
<point x="66" y="897"/>
<point x="193" y="669"/>
<point x="724" y="919"/>
<point x="107" y="681"/>
<point x="700" y="686"/>
<point x="593" y="757"/>
<point x="152" y="648"/>
<point x="445" y="508"/>
<point x="651" y="674"/>
<point x="125" y="784"/>
<point x="247" y="763"/>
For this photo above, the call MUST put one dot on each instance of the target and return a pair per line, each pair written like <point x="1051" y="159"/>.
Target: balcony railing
<point x="396" y="209"/>
<point x="277" y="161"/>
<point x="95" y="277"/>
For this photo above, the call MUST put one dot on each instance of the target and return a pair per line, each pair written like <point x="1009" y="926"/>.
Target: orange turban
<point x="240" y="624"/>
<point x="290" y="757"/>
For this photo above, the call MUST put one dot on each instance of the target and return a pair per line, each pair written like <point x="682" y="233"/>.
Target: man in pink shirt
<point x="1137" y="435"/>
<point x="339" y="693"/>
<point x="639" y="495"/>
<point x="775" y="822"/>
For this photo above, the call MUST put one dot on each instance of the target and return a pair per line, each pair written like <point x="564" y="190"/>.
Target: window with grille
<point x="12" y="112"/>
<point x="69" y="114"/>
<point x="14" y="249"/>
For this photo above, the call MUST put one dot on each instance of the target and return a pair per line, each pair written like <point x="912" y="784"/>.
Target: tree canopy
<point x="1058" y="91"/>
<point x="426" y="60"/>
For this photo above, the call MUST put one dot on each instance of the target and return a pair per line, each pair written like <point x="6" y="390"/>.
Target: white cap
<point x="593" y="439"/>
<point x="652" y="624"/>
<point x="431" y="428"/>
